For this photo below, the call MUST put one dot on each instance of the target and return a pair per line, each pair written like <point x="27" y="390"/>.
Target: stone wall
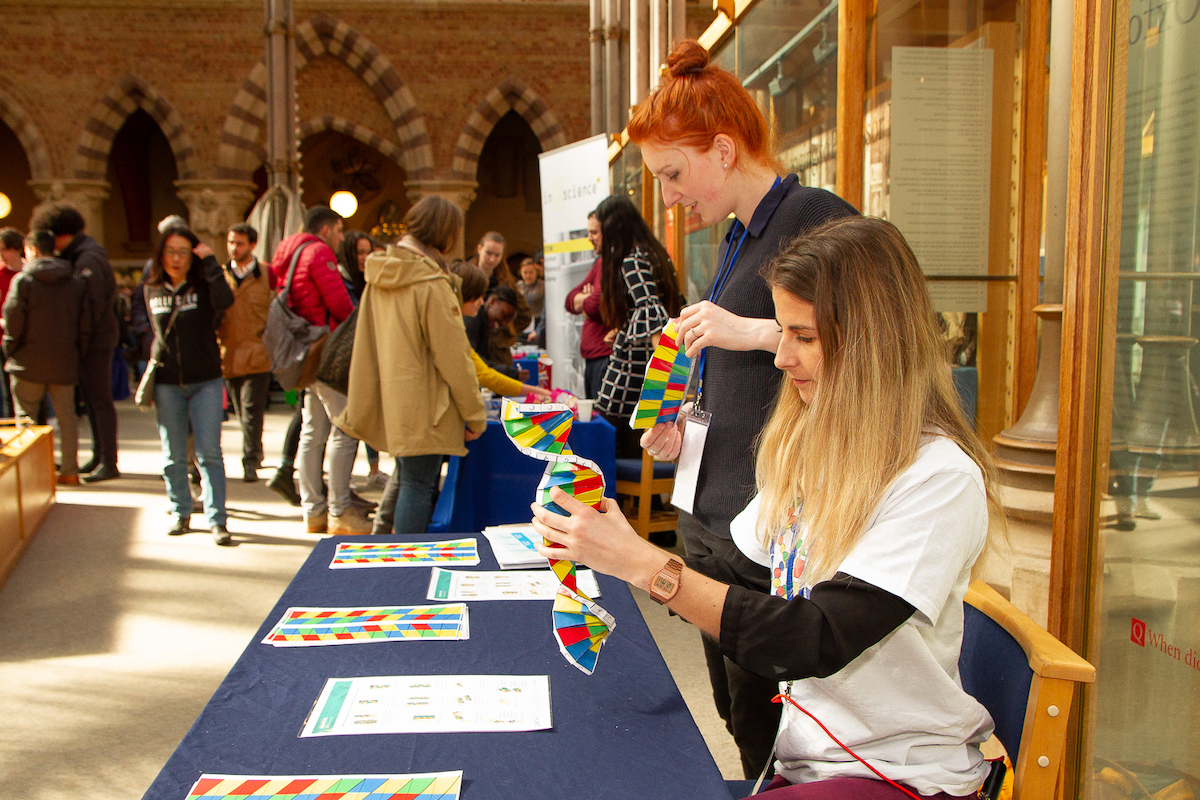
<point x="420" y="76"/>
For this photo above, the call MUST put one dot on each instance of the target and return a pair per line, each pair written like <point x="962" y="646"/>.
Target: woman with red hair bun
<point x="706" y="141"/>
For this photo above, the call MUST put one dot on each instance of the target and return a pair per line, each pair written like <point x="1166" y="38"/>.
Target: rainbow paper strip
<point x="349" y="555"/>
<point x="665" y="383"/>
<point x="426" y="786"/>
<point x="307" y="627"/>
<point x="540" y="431"/>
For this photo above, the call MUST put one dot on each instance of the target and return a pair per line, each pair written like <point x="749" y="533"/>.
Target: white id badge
<point x="687" y="468"/>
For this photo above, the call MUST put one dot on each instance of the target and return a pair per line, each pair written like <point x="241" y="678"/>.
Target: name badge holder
<point x="687" y="468"/>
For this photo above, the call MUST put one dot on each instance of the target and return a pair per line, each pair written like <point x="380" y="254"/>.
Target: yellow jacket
<point x="497" y="381"/>
<point x="412" y="385"/>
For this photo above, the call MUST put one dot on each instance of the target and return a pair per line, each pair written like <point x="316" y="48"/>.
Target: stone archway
<point x="240" y="153"/>
<point x="129" y="94"/>
<point x="353" y="129"/>
<point x="15" y="117"/>
<point x="511" y="94"/>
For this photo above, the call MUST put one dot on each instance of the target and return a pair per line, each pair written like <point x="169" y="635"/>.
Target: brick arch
<point x="353" y="129"/>
<point x="15" y="117"/>
<point x="107" y="117"/>
<point x="511" y="94"/>
<point x="240" y="153"/>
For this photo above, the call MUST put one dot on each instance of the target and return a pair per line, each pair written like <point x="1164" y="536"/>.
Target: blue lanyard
<point x="727" y="265"/>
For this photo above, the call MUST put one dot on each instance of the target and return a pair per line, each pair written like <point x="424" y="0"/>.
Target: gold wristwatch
<point x="665" y="582"/>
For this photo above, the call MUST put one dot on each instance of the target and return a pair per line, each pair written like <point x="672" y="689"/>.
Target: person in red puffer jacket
<point x="319" y="295"/>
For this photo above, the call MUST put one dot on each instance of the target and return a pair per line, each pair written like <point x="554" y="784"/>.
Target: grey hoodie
<point x="47" y="323"/>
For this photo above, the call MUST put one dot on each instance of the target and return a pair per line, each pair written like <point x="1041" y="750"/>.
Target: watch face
<point x="664" y="584"/>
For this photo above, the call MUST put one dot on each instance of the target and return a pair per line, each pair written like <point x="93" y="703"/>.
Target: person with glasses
<point x="186" y="293"/>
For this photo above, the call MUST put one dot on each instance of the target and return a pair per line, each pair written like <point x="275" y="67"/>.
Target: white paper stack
<point x="513" y="546"/>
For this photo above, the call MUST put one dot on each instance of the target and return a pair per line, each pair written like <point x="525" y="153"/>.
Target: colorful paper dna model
<point x="665" y="382"/>
<point x="540" y="431"/>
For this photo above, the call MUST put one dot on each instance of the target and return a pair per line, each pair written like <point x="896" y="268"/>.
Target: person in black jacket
<point x="185" y="295"/>
<point x="47" y="325"/>
<point x="89" y="260"/>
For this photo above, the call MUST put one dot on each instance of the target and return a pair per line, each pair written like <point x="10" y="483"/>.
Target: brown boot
<point x="350" y="522"/>
<point x="315" y="524"/>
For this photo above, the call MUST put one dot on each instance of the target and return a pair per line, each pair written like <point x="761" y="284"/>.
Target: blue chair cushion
<point x="995" y="671"/>
<point x="630" y="469"/>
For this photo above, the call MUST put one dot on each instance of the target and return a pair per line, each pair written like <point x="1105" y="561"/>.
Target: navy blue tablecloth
<point x="495" y="482"/>
<point x="623" y="732"/>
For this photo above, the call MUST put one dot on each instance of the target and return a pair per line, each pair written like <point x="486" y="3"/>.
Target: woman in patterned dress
<point x="640" y="294"/>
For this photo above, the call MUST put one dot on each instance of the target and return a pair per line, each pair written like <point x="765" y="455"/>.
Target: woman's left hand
<point x="605" y="542"/>
<point x="203" y="251"/>
<point x="470" y="435"/>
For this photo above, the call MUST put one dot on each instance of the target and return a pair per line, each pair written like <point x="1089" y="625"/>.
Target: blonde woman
<point x="872" y="509"/>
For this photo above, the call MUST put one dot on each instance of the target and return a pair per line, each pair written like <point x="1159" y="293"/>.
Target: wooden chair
<point x="637" y="482"/>
<point x="1026" y="680"/>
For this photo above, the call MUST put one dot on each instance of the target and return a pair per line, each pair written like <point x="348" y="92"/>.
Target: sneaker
<point x="377" y="479"/>
<point x="283" y="484"/>
<point x="350" y="522"/>
<point x="1142" y="509"/>
<point x="317" y="523"/>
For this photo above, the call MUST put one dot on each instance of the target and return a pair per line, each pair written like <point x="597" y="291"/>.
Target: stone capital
<point x="213" y="206"/>
<point x="86" y="195"/>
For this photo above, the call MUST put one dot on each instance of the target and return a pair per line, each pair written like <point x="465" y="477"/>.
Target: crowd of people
<point x="841" y="500"/>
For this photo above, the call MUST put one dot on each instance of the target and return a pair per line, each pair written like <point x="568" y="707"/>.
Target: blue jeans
<point x="414" y="503"/>
<point x="200" y="404"/>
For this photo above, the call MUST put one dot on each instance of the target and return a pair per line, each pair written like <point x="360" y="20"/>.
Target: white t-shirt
<point x="900" y="705"/>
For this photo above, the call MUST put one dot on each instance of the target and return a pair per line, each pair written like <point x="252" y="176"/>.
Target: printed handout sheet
<point x="533" y="584"/>
<point x="351" y="555"/>
<point x="309" y="627"/>
<point x="430" y="704"/>
<point x="416" y="786"/>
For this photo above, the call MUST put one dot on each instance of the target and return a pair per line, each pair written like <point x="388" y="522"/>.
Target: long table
<point x="622" y="732"/>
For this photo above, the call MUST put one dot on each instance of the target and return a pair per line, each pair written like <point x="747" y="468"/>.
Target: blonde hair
<point x="884" y="384"/>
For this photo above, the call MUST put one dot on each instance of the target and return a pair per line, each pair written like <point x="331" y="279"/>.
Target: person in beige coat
<point x="412" y="389"/>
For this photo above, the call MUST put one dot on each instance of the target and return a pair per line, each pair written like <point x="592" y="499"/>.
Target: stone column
<point x="87" y="196"/>
<point x="213" y="206"/>
<point x="459" y="192"/>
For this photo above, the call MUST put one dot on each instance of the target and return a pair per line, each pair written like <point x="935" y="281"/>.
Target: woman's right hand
<point x="539" y="391"/>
